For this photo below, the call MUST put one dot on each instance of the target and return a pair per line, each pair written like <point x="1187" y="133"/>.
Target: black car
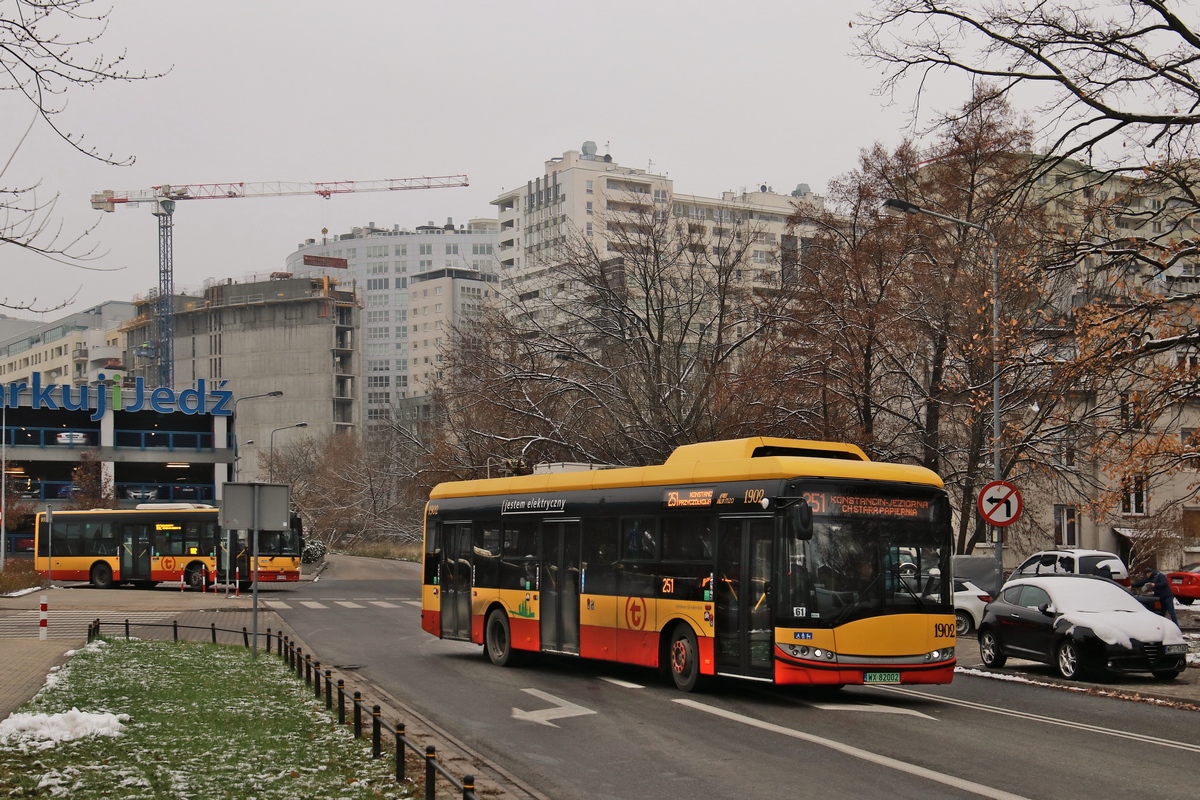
<point x="1080" y="624"/>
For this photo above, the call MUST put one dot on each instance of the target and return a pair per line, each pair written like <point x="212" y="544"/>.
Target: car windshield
<point x="1090" y="595"/>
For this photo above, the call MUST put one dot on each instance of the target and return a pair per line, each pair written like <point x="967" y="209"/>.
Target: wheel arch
<point x="667" y="629"/>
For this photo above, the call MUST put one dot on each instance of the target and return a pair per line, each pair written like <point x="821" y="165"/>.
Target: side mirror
<point x="800" y="520"/>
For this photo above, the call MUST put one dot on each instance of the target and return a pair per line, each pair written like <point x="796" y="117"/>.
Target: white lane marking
<point x="544" y="715"/>
<point x="622" y="684"/>
<point x="855" y="752"/>
<point x="348" y="604"/>
<point x="312" y="604"/>
<point x="276" y="604"/>
<point x="874" y="708"/>
<point x="416" y="603"/>
<point x="1120" y="734"/>
<point x="383" y="604"/>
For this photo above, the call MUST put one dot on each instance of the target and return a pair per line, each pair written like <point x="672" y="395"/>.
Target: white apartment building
<point x="416" y="286"/>
<point x="73" y="349"/>
<point x="580" y="187"/>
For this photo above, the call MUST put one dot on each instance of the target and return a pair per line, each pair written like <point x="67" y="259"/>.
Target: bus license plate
<point x="881" y="677"/>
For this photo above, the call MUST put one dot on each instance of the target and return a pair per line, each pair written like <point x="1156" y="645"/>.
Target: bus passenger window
<point x="640" y="539"/>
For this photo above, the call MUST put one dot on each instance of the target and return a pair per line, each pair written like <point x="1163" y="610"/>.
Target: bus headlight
<point x="812" y="653"/>
<point x="939" y="655"/>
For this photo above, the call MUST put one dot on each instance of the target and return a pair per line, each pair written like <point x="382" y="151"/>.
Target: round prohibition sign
<point x="1000" y="503"/>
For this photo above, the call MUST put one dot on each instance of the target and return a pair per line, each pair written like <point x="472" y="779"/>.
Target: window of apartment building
<point x="379" y="333"/>
<point x="1066" y="528"/>
<point x="660" y="196"/>
<point x="589" y="228"/>
<point x="379" y="381"/>
<point x="377" y="413"/>
<point x="437" y="290"/>
<point x="589" y="205"/>
<point x="378" y="268"/>
<point x="378" y="300"/>
<point x="426" y="249"/>
<point x="374" y="317"/>
<point x="379" y="365"/>
<point x="452" y="249"/>
<point x="1189" y="440"/>
<point x="374" y="284"/>
<point x="401" y="315"/>
<point x="379" y="398"/>
<point x="1135" y="499"/>
<point x="401" y="250"/>
<point x="589" y="191"/>
<point x="481" y="249"/>
<point x="760" y="256"/>
<point x="425" y="264"/>
<point x="401" y="266"/>
<point x="402" y="331"/>
<point x="437" y="308"/>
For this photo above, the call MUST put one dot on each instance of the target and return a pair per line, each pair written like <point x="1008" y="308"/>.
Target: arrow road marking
<point x="544" y="715"/>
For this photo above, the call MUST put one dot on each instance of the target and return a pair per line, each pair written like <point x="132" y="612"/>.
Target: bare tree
<point x="49" y="49"/>
<point x="91" y="487"/>
<point x="666" y="333"/>
<point x="1118" y="104"/>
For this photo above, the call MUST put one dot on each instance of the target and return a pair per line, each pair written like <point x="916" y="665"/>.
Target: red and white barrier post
<point x="42" y="620"/>
<point x="237" y="585"/>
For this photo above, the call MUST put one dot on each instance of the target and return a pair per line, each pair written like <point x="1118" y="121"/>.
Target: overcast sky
<point x="718" y="97"/>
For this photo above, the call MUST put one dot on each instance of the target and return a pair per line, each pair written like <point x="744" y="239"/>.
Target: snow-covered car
<point x="1082" y="625"/>
<point x="1185" y="583"/>
<point x="969" y="601"/>
<point x="1075" y="562"/>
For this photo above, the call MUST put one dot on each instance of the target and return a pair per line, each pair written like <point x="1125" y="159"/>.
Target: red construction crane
<point x="164" y="198"/>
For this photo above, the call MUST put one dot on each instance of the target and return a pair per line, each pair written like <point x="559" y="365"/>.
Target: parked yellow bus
<point x="789" y="561"/>
<point x="154" y="543"/>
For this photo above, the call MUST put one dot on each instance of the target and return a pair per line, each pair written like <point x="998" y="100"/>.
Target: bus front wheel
<point x="497" y="639"/>
<point x="101" y="577"/>
<point x="684" y="655"/>
<point x="194" y="577"/>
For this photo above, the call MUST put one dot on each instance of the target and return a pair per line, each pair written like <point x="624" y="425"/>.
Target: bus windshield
<point x="870" y="553"/>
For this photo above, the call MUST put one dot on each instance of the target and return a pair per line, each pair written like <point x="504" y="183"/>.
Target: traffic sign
<point x="1000" y="503"/>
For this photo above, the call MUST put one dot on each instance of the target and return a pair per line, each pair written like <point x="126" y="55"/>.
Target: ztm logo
<point x="635" y="613"/>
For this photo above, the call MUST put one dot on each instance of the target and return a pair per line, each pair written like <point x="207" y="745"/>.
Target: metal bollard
<point x="400" y="752"/>
<point x="375" y="725"/>
<point x="214" y="632"/>
<point x="268" y="641"/>
<point x="127" y="629"/>
<point x="317" y="680"/>
<point x="328" y="687"/>
<point x="358" y="715"/>
<point x="341" y="702"/>
<point x="307" y="669"/>
<point x="279" y="644"/>
<point x="287" y="651"/>
<point x="430" y="773"/>
<point x="175" y="629"/>
<point x="299" y="662"/>
<point x="468" y="787"/>
<point x="245" y="637"/>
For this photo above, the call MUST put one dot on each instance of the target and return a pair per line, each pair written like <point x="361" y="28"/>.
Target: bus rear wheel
<point x="684" y="656"/>
<point x="101" y="576"/>
<point x="497" y="639"/>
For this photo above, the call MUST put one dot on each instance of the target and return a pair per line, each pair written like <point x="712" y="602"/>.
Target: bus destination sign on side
<point x="688" y="498"/>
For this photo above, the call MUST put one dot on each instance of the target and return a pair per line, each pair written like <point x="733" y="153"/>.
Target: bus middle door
<point x="559" y="629"/>
<point x="743" y="598"/>
<point x="135" y="551"/>
<point x="456" y="580"/>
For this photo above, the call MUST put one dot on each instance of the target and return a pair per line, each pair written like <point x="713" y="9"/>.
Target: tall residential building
<point x="73" y="349"/>
<point x="582" y="192"/>
<point x="416" y="286"/>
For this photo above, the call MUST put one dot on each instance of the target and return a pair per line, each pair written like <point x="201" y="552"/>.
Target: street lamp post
<point x="271" y="467"/>
<point x="237" y="458"/>
<point x="905" y="207"/>
<point x="276" y="393"/>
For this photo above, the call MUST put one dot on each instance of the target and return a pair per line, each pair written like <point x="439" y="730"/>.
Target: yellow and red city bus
<point x="789" y="561"/>
<point x="158" y="542"/>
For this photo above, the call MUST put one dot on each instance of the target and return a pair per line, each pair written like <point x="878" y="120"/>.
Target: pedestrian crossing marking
<point x="383" y="604"/>
<point x="348" y="604"/>
<point x="276" y="604"/>
<point x="312" y="604"/>
<point x="416" y="603"/>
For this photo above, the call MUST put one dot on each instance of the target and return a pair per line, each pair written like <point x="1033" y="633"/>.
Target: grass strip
<point x="204" y="721"/>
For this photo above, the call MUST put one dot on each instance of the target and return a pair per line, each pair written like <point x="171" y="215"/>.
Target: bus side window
<point x="599" y="556"/>
<point x="486" y="545"/>
<point x="433" y="550"/>
<point x="518" y="560"/>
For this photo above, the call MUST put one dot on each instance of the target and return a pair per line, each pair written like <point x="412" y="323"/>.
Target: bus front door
<point x="135" y="552"/>
<point x="456" y="580"/>
<point x="233" y="562"/>
<point x="743" y="598"/>
<point x="559" y="627"/>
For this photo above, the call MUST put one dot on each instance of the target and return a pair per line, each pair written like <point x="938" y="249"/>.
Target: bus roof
<point x="753" y="458"/>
